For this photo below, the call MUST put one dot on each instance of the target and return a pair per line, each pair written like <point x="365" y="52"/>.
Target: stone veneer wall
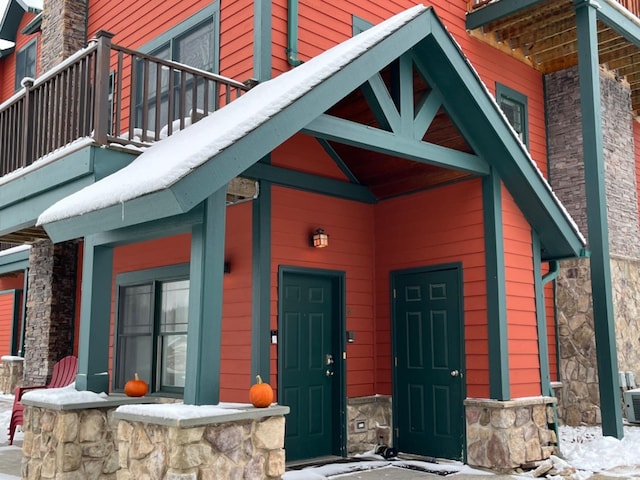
<point x="64" y="27"/>
<point x="10" y="374"/>
<point x="374" y="414"/>
<point x="50" y="308"/>
<point x="95" y="442"/>
<point x="507" y="435"/>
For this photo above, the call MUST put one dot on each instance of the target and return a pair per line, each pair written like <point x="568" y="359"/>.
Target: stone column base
<point x="505" y="435"/>
<point x="368" y="423"/>
<point x="10" y="374"/>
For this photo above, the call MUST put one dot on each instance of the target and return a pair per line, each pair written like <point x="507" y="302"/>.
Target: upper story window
<point x="26" y="63"/>
<point x="514" y="107"/>
<point x="151" y="334"/>
<point x="193" y="43"/>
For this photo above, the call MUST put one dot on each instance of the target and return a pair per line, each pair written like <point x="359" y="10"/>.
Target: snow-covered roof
<point x="6" y="44"/>
<point x="168" y="161"/>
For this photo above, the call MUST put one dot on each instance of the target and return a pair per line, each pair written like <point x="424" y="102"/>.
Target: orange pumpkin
<point x="136" y="387"/>
<point x="261" y="394"/>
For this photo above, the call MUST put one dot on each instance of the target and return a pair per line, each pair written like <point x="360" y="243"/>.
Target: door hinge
<point x="397" y="432"/>
<point x="395" y="361"/>
<point x="394" y="293"/>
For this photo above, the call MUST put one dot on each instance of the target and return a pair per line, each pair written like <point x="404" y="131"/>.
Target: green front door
<point x="428" y="380"/>
<point x="308" y="364"/>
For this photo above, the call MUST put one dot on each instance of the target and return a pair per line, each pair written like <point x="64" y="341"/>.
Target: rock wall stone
<point x="50" y="308"/>
<point x="507" y="435"/>
<point x="369" y="423"/>
<point x="64" y="27"/>
<point x="10" y="374"/>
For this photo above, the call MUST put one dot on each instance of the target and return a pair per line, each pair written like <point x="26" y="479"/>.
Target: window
<point x="193" y="43"/>
<point x="153" y="310"/>
<point x="26" y="63"/>
<point x="514" y="107"/>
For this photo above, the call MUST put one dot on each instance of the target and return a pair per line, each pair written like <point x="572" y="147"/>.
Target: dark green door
<point x="429" y="364"/>
<point x="308" y="364"/>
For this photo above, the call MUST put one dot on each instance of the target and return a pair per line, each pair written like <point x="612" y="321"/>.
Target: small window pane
<point x="514" y="112"/>
<point x="135" y="355"/>
<point x="175" y="307"/>
<point x="174" y="360"/>
<point x="195" y="48"/>
<point x="136" y="310"/>
<point x="25" y="64"/>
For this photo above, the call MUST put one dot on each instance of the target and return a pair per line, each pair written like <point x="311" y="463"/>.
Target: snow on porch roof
<point x="176" y="174"/>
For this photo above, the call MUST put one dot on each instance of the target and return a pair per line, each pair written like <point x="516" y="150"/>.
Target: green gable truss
<point x="422" y="44"/>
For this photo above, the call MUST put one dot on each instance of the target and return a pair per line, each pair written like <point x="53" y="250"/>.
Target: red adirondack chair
<point x="64" y="373"/>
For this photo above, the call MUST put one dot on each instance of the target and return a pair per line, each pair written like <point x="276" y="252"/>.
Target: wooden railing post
<point x="27" y="118"/>
<point x="101" y="114"/>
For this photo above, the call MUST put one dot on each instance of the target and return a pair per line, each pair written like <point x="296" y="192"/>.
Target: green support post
<point x="603" y="319"/>
<point x="499" y="388"/>
<point x="541" y="317"/>
<point x="202" y="386"/>
<point x="95" y="318"/>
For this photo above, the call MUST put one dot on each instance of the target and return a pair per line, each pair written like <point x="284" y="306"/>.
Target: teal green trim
<point x="15" y="321"/>
<point x="505" y="93"/>
<point x="541" y="317"/>
<point x="261" y="282"/>
<point x="381" y="104"/>
<point x="7" y="51"/>
<point x="95" y="318"/>
<point x="33" y="26"/>
<point x="340" y="284"/>
<point x="311" y="183"/>
<point x="625" y="25"/>
<point x="28" y="8"/>
<point x="23" y="328"/>
<point x="164" y="273"/>
<point x="338" y="160"/>
<point x="495" y="11"/>
<point x="14" y="262"/>
<point x="604" y="320"/>
<point x="427" y="109"/>
<point x="552" y="274"/>
<point x="211" y="12"/>
<point x="362" y="136"/>
<point x="13" y="14"/>
<point x="359" y="25"/>
<point x="499" y="388"/>
<point x="204" y="330"/>
<point x="262" y="42"/>
<point x="292" y="33"/>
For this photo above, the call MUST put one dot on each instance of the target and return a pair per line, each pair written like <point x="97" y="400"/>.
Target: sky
<point x="584" y="449"/>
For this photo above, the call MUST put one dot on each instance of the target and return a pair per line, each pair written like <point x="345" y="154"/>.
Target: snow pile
<point x="176" y="411"/>
<point x="64" y="396"/>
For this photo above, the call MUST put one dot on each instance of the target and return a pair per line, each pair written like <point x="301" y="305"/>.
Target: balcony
<point x="542" y="33"/>
<point x="109" y="95"/>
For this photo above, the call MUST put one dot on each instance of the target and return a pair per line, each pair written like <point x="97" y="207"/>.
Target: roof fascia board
<point x="495" y="11"/>
<point x="310" y="183"/>
<point x="14" y="262"/>
<point x="231" y="162"/>
<point x="11" y="20"/>
<point x="369" y="138"/>
<point x="472" y="102"/>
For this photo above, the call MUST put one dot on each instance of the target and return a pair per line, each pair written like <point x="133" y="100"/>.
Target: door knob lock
<point x="329" y="373"/>
<point x="455" y="373"/>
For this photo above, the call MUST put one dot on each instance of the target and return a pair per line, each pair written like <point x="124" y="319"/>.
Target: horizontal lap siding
<point x="524" y="363"/>
<point x="235" y="376"/>
<point x="7" y="300"/>
<point x="236" y="39"/>
<point x="350" y="227"/>
<point x="439" y="226"/>
<point x="8" y="64"/>
<point x="12" y="282"/>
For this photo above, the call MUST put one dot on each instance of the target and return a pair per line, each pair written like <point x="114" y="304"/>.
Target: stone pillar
<point x="10" y="374"/>
<point x="505" y="435"/>
<point x="50" y="308"/>
<point x="579" y="398"/>
<point x="64" y="25"/>
<point x="368" y="423"/>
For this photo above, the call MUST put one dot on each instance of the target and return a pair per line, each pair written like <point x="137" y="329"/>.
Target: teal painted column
<point x="541" y="317"/>
<point x="261" y="284"/>
<point x="95" y="318"/>
<point x="202" y="385"/>
<point x="496" y="288"/>
<point x="601" y="289"/>
<point x="262" y="40"/>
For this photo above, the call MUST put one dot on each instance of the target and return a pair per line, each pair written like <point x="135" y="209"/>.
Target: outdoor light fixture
<point x="319" y="239"/>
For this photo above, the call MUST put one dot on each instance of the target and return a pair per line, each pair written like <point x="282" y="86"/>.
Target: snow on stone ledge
<point x="63" y="396"/>
<point x="11" y="358"/>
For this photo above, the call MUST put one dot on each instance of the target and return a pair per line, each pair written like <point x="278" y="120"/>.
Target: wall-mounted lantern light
<point x="319" y="239"/>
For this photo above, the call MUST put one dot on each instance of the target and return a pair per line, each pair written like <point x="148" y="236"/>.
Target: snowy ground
<point x="583" y="448"/>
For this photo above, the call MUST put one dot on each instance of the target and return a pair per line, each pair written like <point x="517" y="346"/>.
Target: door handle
<point x="455" y="373"/>
<point x="329" y="373"/>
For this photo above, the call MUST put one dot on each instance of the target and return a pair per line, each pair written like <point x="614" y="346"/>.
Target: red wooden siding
<point x="305" y="154"/>
<point x="12" y="282"/>
<point x="439" y="226"/>
<point x="236" y="39"/>
<point x="350" y="227"/>
<point x="7" y="299"/>
<point x="8" y="64"/>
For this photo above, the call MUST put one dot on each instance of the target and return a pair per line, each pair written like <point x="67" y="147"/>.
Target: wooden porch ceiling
<point x="24" y="235"/>
<point x="544" y="36"/>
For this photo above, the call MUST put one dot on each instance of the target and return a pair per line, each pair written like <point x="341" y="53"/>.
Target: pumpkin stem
<point x="135" y="376"/>
<point x="258" y="379"/>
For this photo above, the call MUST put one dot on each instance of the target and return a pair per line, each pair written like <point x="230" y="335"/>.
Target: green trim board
<point x="262" y="28"/>
<point x="14" y="262"/>
<point x="11" y="20"/>
<point x="499" y="387"/>
<point x="496" y="10"/>
<point x="33" y="26"/>
<point x="465" y="99"/>
<point x="541" y="318"/>
<point x="593" y="152"/>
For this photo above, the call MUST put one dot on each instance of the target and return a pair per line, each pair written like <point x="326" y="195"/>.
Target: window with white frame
<point x="26" y="63"/>
<point x="151" y="328"/>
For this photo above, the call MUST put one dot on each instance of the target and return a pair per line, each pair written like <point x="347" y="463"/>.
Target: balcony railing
<point x="111" y="94"/>
<point x="632" y="5"/>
